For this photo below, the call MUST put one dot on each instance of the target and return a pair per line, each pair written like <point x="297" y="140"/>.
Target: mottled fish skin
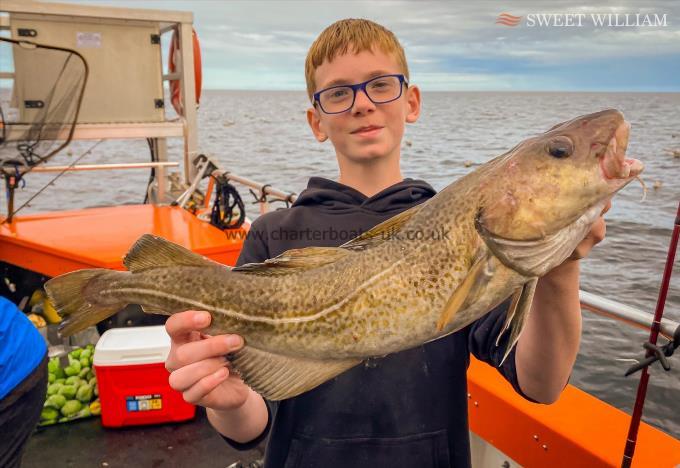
<point x="389" y="297"/>
<point x="370" y="303"/>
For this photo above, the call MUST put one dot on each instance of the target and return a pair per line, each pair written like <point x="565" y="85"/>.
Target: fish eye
<point x="560" y="147"/>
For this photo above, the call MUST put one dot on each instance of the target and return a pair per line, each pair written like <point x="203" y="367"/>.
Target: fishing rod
<point x="654" y="352"/>
<point x="10" y="194"/>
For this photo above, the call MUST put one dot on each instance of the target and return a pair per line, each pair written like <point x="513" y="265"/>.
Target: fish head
<point x="549" y="181"/>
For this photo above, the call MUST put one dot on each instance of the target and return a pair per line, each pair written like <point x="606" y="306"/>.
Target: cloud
<point x="449" y="45"/>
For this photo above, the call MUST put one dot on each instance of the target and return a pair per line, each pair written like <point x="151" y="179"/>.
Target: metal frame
<point x="125" y="131"/>
<point x="186" y="127"/>
<point x="266" y="190"/>
<point x="164" y="17"/>
<point x="258" y="187"/>
<point x="624" y="313"/>
<point x="104" y="167"/>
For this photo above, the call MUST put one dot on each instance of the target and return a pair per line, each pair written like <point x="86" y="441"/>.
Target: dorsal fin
<point x="294" y="260"/>
<point x="154" y="252"/>
<point x="277" y="377"/>
<point x="307" y="258"/>
<point x="382" y="231"/>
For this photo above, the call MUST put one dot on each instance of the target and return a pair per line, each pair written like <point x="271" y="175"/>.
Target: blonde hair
<point x="360" y="35"/>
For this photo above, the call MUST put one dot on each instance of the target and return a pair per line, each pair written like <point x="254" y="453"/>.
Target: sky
<point x="450" y="46"/>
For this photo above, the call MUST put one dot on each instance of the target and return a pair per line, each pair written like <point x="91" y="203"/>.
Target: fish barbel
<point x="309" y="314"/>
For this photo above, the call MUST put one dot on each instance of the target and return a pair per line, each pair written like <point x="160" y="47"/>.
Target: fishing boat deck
<point x="577" y="427"/>
<point x="87" y="443"/>
<point x="59" y="242"/>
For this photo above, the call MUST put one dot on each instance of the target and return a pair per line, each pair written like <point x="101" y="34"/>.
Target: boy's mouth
<point x="369" y="130"/>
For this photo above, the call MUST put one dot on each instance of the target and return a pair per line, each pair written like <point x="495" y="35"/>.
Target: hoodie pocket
<point x="424" y="450"/>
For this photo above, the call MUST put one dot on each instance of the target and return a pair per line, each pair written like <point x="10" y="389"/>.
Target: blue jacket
<point x="22" y="347"/>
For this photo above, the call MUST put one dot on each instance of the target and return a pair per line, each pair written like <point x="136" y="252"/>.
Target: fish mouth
<point x="615" y="168"/>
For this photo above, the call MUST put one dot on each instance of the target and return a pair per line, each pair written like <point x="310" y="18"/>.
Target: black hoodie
<point x="406" y="409"/>
<point x="327" y="214"/>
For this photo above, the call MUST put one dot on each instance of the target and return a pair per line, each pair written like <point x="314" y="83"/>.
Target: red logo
<point x="507" y="19"/>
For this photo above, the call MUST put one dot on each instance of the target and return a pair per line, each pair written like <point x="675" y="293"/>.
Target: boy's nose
<point x="362" y="103"/>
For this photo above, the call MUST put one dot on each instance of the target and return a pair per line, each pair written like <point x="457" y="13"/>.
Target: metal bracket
<point x="657" y="353"/>
<point x="204" y="167"/>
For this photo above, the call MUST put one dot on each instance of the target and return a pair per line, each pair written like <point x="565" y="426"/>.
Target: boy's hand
<point x="198" y="365"/>
<point x="594" y="236"/>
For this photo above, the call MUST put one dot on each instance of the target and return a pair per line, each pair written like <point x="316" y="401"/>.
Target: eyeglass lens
<point x="379" y="90"/>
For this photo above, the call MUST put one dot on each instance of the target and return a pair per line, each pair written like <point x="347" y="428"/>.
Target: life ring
<point x="175" y="88"/>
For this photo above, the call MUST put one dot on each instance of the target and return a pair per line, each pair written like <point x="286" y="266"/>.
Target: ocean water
<point x="264" y="136"/>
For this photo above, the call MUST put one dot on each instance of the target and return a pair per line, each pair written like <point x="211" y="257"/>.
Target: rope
<point x="227" y="199"/>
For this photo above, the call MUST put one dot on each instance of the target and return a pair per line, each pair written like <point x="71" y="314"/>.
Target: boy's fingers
<point x="206" y="385"/>
<point x="596" y="234"/>
<point x="204" y="349"/>
<point x="185" y="377"/>
<point x="181" y="326"/>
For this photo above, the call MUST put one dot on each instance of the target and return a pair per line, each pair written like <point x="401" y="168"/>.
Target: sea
<point x="264" y="136"/>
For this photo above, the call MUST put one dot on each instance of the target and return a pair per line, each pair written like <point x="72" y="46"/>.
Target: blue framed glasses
<point x="380" y="90"/>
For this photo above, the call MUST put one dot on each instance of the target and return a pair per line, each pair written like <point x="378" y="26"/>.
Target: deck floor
<point x="87" y="444"/>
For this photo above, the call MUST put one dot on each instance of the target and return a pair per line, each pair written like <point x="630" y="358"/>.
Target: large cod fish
<point x="310" y="314"/>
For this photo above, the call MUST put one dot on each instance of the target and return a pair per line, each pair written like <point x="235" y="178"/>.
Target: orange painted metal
<point x="59" y="242"/>
<point x="577" y="430"/>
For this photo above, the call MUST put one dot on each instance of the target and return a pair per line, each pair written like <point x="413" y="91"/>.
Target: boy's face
<point x="366" y="131"/>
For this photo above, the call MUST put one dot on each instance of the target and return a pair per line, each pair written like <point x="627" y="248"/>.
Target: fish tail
<point x="72" y="296"/>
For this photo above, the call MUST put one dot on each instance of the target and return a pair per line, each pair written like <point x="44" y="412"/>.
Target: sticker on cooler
<point x="144" y="402"/>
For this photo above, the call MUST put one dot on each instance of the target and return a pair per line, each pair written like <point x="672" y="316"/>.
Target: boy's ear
<point x="412" y="103"/>
<point x="314" y="120"/>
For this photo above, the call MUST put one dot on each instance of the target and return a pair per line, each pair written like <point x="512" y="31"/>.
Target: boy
<point x="409" y="408"/>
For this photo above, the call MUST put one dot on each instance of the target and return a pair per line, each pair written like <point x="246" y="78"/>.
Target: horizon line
<point x="475" y="90"/>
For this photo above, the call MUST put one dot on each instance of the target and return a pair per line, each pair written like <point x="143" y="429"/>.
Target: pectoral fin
<point x="278" y="377"/>
<point x="520" y="307"/>
<point x="461" y="293"/>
